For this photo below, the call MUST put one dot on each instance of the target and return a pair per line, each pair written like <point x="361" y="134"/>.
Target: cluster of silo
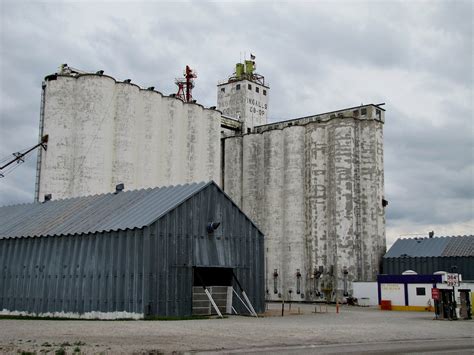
<point x="315" y="189"/>
<point x="103" y="132"/>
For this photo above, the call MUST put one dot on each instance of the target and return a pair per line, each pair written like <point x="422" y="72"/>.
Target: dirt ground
<point x="301" y="326"/>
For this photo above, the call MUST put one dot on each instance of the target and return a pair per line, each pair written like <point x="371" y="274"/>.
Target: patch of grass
<point x="60" y="351"/>
<point x="63" y="318"/>
<point x="77" y="349"/>
<point x="176" y="318"/>
<point x="46" y="344"/>
<point x="79" y="343"/>
<point x="65" y="344"/>
<point x="26" y="352"/>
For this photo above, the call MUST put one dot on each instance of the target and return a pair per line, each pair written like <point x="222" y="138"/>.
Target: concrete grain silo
<point x="103" y="132"/>
<point x="314" y="185"/>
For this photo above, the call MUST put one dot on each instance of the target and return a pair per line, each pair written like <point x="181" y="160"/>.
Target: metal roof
<point x="432" y="247"/>
<point x="97" y="213"/>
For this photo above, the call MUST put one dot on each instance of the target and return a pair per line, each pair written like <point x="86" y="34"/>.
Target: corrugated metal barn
<point x="129" y="254"/>
<point x="428" y="255"/>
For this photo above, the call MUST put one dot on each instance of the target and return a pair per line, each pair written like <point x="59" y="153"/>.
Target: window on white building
<point x="420" y="291"/>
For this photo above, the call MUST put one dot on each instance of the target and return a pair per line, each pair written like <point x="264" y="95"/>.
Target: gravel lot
<point x="351" y="325"/>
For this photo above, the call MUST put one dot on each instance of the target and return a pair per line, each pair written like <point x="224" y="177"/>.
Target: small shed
<point x="407" y="292"/>
<point x="131" y="254"/>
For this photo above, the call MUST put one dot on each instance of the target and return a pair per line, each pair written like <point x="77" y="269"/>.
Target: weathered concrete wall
<point x="103" y="132"/>
<point x="315" y="187"/>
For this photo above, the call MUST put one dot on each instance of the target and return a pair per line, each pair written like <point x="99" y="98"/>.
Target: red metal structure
<point x="186" y="85"/>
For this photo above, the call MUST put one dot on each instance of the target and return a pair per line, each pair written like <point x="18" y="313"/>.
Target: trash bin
<point x="386" y="305"/>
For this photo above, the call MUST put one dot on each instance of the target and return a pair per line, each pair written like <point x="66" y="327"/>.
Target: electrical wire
<point x="11" y="168"/>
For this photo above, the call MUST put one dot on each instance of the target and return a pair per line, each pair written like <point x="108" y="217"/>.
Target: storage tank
<point x="104" y="132"/>
<point x="274" y="177"/>
<point x="126" y="140"/>
<point x="294" y="225"/>
<point x="317" y="185"/>
<point x="150" y="135"/>
<point x="212" y="142"/>
<point x="232" y="168"/>
<point x="344" y="202"/>
<point x="252" y="174"/>
<point x="57" y="162"/>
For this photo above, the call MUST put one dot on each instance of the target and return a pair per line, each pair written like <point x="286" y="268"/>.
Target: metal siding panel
<point x="147" y="275"/>
<point x="433" y="247"/>
<point x="115" y="272"/>
<point x="88" y="214"/>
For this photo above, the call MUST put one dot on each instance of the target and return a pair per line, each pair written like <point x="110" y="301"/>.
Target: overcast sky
<point x="416" y="56"/>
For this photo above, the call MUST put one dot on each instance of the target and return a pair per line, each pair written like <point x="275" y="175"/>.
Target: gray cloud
<point x="317" y="57"/>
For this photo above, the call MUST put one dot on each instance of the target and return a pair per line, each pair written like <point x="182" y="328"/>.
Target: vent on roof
<point x="100" y="72"/>
<point x="48" y="197"/>
<point x="119" y="187"/>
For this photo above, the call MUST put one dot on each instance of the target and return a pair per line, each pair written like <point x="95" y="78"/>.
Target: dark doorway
<point x="218" y="283"/>
<point x="212" y="276"/>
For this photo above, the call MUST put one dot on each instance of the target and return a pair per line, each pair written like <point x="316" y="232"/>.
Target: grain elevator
<point x="313" y="185"/>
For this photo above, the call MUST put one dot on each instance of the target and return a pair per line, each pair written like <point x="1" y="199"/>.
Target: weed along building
<point x="131" y="254"/>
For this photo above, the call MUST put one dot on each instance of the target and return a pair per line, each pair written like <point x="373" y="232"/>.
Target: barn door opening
<point x="212" y="288"/>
